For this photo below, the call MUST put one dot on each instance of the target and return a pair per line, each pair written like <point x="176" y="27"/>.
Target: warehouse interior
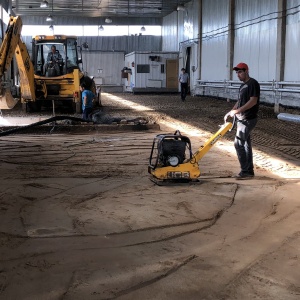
<point x="83" y="213"/>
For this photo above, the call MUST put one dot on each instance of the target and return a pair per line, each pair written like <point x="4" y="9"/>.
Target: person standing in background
<point x="87" y="102"/>
<point x="184" y="83"/>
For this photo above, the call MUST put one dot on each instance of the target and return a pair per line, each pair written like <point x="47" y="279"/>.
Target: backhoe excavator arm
<point x="12" y="45"/>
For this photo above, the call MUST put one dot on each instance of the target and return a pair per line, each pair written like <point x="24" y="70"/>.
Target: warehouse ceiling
<point x="98" y="8"/>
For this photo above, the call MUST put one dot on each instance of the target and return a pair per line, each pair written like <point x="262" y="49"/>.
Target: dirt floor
<point x="80" y="219"/>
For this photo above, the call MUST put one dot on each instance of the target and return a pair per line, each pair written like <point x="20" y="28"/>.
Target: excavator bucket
<point x="6" y="99"/>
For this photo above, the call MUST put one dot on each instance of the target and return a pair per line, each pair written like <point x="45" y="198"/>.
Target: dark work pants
<point x="86" y="113"/>
<point x="184" y="90"/>
<point x="242" y="144"/>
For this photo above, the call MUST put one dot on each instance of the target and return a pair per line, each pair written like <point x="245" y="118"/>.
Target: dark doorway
<point x="188" y="60"/>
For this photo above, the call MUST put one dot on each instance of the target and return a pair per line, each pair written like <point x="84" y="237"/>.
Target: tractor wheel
<point x="78" y="107"/>
<point x="99" y="98"/>
<point x="33" y="106"/>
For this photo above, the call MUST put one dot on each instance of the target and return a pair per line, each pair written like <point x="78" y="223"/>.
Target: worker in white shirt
<point x="184" y="83"/>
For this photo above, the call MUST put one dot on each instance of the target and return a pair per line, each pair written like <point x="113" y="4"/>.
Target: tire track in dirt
<point x="211" y="222"/>
<point x="262" y="281"/>
<point x="153" y="280"/>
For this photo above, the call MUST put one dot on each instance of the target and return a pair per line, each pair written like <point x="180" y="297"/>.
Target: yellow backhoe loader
<point x="52" y="73"/>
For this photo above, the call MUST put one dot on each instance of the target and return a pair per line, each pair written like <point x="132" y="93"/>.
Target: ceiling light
<point x="143" y="28"/>
<point x="44" y="4"/>
<point x="180" y="7"/>
<point x="51" y="27"/>
<point x="100" y="28"/>
<point x="108" y="20"/>
<point x="49" y="18"/>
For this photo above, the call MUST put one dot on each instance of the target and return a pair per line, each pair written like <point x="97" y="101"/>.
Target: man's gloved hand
<point x="232" y="113"/>
<point x="226" y="117"/>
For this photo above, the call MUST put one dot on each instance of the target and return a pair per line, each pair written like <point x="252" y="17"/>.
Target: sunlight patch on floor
<point x="279" y="166"/>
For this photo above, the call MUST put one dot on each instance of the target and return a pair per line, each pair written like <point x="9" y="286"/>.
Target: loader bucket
<point x="6" y="99"/>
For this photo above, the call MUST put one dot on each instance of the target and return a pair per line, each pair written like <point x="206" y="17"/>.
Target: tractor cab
<point x="54" y="55"/>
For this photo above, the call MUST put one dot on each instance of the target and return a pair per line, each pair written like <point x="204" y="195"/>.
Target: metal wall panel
<point x="105" y="65"/>
<point x="214" y="41"/>
<point x="180" y="26"/>
<point x="170" y="33"/>
<point x="123" y="43"/>
<point x="180" y="31"/>
<point x="292" y="62"/>
<point x="188" y="21"/>
<point x="256" y="37"/>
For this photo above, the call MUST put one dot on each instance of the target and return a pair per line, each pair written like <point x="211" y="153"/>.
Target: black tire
<point x="99" y="98"/>
<point x="32" y="107"/>
<point x="24" y="107"/>
<point x="78" y="107"/>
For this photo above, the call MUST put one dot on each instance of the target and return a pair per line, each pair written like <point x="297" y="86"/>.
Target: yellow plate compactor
<point x="171" y="157"/>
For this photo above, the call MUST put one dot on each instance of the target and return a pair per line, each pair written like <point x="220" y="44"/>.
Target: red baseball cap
<point x="241" y="66"/>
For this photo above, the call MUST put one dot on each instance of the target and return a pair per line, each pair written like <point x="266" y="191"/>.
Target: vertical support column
<point x="10" y="6"/>
<point x="200" y="40"/>
<point x="230" y="45"/>
<point x="177" y="31"/>
<point x="280" y="47"/>
<point x="1" y="25"/>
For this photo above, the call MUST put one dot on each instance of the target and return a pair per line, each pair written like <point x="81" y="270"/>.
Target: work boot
<point x="244" y="175"/>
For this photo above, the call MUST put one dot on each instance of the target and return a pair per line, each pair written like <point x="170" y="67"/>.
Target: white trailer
<point x="150" y="72"/>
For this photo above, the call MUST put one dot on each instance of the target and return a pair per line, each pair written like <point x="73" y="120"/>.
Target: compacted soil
<point x="81" y="219"/>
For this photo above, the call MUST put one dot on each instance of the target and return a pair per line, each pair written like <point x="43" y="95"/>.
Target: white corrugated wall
<point x="214" y="39"/>
<point x="180" y="26"/>
<point x="292" y="45"/>
<point x="256" y="37"/>
<point x="188" y="21"/>
<point x="170" y="33"/>
<point x="105" y="65"/>
<point x="179" y="31"/>
<point x="256" y="33"/>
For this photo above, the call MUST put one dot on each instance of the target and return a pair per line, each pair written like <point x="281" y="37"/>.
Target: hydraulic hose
<point x="57" y="118"/>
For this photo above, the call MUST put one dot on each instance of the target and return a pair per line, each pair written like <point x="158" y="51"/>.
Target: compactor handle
<point x="225" y="120"/>
<point x="211" y="141"/>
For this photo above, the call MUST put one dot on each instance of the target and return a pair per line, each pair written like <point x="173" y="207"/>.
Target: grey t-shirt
<point x="183" y="78"/>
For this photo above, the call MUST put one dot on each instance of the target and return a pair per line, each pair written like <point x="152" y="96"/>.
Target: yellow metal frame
<point x="190" y="169"/>
<point x="26" y="71"/>
<point x="12" y="45"/>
